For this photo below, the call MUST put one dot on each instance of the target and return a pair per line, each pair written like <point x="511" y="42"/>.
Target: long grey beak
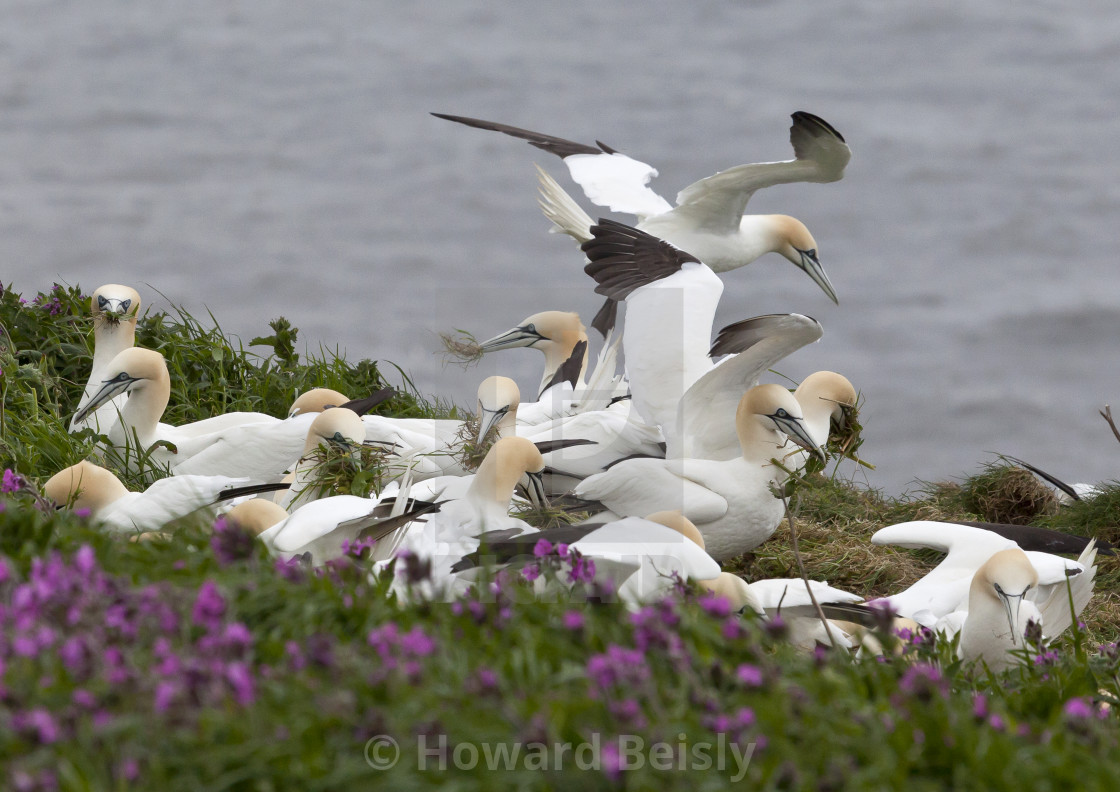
<point x="536" y="489"/>
<point x="795" y="430"/>
<point x="511" y="339"/>
<point x="1012" y="613"/>
<point x="812" y="267"/>
<point x="109" y="389"/>
<point x="488" y="420"/>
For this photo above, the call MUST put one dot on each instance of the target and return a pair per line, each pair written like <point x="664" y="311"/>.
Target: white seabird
<point x="671" y="301"/>
<point x="945" y="589"/>
<point x="112" y="506"/>
<point x="115" y="310"/>
<point x="708" y="219"/>
<point x="729" y="501"/>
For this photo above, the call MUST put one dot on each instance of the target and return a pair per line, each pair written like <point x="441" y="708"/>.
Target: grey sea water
<point x="266" y="159"/>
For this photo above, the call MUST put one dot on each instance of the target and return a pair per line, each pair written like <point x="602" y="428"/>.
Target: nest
<point x="1008" y="494"/>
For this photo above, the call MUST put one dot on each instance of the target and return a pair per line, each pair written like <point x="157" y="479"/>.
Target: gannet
<point x="556" y="334"/>
<point x="322" y="528"/>
<point x="562" y="339"/>
<point x="111" y="505"/>
<point x="639" y="557"/>
<point x="704" y="426"/>
<point x="316" y="400"/>
<point x="433" y="446"/>
<point x="338" y="428"/>
<point x="730" y="501"/>
<point x="826" y="398"/>
<point x="945" y="589"/>
<point x="115" y="310"/>
<point x="708" y="220"/>
<point x="259" y="451"/>
<point x="671" y="300"/>
<point x="471" y="506"/>
<point x="1000" y="606"/>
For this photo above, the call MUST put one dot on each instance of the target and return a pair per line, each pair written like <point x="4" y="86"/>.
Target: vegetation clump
<point x="197" y="661"/>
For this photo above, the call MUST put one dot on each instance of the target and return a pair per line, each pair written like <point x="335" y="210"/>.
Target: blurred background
<point x="267" y="159"/>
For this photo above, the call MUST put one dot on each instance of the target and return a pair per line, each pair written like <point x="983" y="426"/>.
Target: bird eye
<point x="781" y="413"/>
<point x="121" y="377"/>
<point x="530" y="328"/>
<point x="999" y="589"/>
<point x="125" y="304"/>
<point x="102" y="302"/>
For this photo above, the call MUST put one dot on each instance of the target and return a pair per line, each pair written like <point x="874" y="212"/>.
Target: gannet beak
<point x="812" y="267"/>
<point x="523" y="336"/>
<point x="1012" y="611"/>
<point x="536" y="490"/>
<point x="109" y="389"/>
<point x="488" y="420"/>
<point x="795" y="430"/>
<point x="113" y="309"/>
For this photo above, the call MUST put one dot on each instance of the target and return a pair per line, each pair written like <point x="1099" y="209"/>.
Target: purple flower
<point x="165" y="694"/>
<point x="231" y="543"/>
<point x="209" y="606"/>
<point x="531" y="572"/>
<point x="583" y="569"/>
<point x="979" y="706"/>
<point x="1078" y="708"/>
<point x="295" y="656"/>
<point x="996" y="723"/>
<point x="13" y="482"/>
<point x="922" y="680"/>
<point x="717" y="606"/>
<point x="290" y="569"/>
<point x="542" y="548"/>
<point x="239" y="678"/>
<point x="572" y="620"/>
<point x="487" y="679"/>
<point x="612" y="760"/>
<point x="85" y="561"/>
<point x="749" y="675"/>
<point x="617" y="666"/>
<point x="75" y="655"/>
<point x="417" y="643"/>
<point x="41" y="722"/>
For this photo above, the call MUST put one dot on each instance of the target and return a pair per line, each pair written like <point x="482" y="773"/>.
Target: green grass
<point x="328" y="668"/>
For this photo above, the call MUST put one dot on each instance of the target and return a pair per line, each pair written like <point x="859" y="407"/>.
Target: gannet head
<point x="256" y="515"/>
<point x="679" y="523"/>
<point x="1005" y="578"/>
<point x="829" y="392"/>
<point x="113" y="303"/>
<point x="772" y="409"/>
<point x="84" y="486"/>
<point x="507" y="461"/>
<point x="796" y="243"/>
<point x="497" y="398"/>
<point x="545" y="331"/>
<point x="316" y="400"/>
<point x="131" y="371"/>
<point x="336" y="427"/>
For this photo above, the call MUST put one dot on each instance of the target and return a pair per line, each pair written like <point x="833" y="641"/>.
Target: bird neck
<point x="110" y="338"/>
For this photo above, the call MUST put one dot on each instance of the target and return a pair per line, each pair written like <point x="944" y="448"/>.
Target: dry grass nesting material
<point x="460" y="348"/>
<point x="1008" y="494"/>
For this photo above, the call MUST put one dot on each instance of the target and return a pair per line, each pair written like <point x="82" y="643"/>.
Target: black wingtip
<point x="570" y="369"/>
<point x="606" y="318"/>
<point x="249" y="489"/>
<point x="803" y="117"/>
<point x="1057" y="482"/>
<point x="362" y="406"/>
